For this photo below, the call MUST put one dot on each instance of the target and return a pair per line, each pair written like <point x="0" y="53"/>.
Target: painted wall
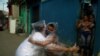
<point x="65" y="12"/>
<point x="15" y="11"/>
<point x="23" y="17"/>
<point x="30" y="17"/>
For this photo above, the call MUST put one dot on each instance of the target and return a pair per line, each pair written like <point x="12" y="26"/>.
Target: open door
<point x="86" y="28"/>
<point x="33" y="13"/>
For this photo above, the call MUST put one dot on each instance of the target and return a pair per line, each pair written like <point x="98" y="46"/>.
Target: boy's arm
<point x="58" y="48"/>
<point x="55" y="47"/>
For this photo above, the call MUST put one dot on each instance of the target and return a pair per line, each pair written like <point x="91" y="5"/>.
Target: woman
<point x="85" y="25"/>
<point x="27" y="48"/>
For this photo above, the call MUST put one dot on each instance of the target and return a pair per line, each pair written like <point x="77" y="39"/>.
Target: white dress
<point x="28" y="49"/>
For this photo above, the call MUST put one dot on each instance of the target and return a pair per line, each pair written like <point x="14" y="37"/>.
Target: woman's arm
<point x="41" y="43"/>
<point x="79" y="24"/>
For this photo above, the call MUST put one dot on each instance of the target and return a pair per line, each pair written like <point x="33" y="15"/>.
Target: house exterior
<point x="65" y="12"/>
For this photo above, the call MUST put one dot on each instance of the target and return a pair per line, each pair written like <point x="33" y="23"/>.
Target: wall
<point x="15" y="11"/>
<point x="23" y="16"/>
<point x="97" y="32"/>
<point x="33" y="15"/>
<point x="65" y="13"/>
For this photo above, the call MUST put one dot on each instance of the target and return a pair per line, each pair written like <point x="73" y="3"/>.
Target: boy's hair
<point x="52" y="25"/>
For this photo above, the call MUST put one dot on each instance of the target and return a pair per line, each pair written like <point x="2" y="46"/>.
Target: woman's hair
<point x="38" y="26"/>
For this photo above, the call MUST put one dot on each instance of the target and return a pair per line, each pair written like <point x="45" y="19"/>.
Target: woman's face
<point x="91" y="17"/>
<point x="85" y="18"/>
<point x="43" y="28"/>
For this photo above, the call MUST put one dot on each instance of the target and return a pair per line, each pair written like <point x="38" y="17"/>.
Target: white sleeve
<point x="38" y="37"/>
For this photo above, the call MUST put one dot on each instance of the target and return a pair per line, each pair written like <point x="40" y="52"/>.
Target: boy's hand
<point x="74" y="48"/>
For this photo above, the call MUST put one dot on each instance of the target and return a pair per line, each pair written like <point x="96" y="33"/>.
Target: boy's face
<point x="51" y="29"/>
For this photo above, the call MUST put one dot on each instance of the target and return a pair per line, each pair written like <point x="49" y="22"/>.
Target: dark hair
<point x="52" y="25"/>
